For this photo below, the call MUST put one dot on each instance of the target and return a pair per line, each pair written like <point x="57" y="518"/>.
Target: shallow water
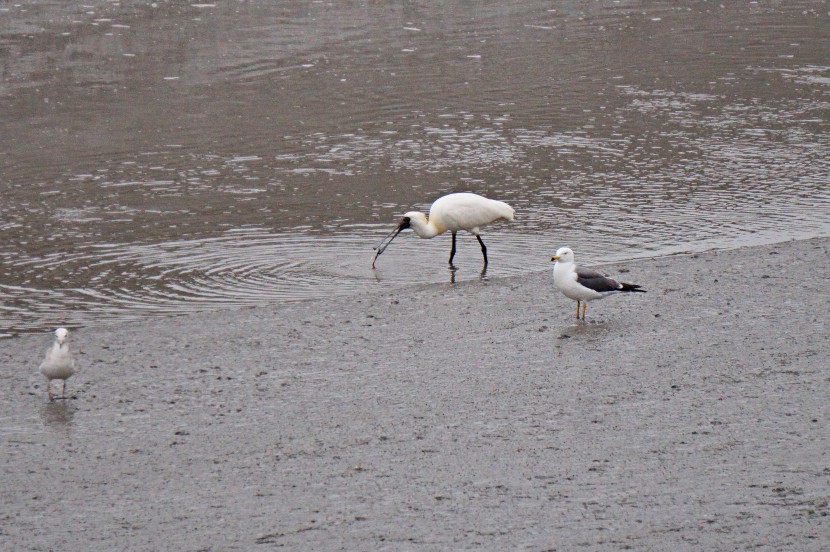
<point x="170" y="158"/>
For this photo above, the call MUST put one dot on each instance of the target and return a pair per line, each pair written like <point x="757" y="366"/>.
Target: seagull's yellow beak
<point x="555" y="258"/>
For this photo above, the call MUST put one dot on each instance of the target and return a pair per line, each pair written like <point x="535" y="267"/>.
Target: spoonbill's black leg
<point x="483" y="249"/>
<point x="452" y="251"/>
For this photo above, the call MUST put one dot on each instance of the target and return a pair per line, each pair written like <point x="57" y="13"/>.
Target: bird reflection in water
<point x="58" y="415"/>
<point x="482" y="275"/>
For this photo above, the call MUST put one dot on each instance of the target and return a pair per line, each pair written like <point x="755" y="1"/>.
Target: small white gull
<point x="583" y="284"/>
<point x="58" y="363"/>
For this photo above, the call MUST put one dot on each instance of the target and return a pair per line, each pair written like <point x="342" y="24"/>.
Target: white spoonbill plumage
<point x="583" y="284"/>
<point x="58" y="363"/>
<point x="451" y="213"/>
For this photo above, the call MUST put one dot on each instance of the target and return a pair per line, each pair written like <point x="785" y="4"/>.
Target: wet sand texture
<point x="444" y="417"/>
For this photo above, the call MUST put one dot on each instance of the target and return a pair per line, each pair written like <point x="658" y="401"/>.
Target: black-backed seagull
<point x="583" y="284"/>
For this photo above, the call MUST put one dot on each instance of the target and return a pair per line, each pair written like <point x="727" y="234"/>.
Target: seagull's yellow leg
<point x="577" y="310"/>
<point x="584" y="308"/>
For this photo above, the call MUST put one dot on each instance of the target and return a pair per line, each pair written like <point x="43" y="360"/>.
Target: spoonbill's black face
<point x="384" y="243"/>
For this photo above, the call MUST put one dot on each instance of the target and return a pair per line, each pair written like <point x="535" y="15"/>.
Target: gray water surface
<point x="167" y="158"/>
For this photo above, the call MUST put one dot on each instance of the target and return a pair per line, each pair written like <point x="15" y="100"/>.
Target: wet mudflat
<point x="474" y="415"/>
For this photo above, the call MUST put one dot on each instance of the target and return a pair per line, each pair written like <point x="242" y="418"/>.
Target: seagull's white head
<point x="60" y="335"/>
<point x="563" y="255"/>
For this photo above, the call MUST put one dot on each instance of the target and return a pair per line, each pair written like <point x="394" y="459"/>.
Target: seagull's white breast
<point x="58" y="363"/>
<point x="564" y="277"/>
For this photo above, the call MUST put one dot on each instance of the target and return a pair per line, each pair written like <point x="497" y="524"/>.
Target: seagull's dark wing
<point x="592" y="279"/>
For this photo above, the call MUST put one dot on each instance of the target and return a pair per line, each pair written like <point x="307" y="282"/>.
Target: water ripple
<point x="164" y="158"/>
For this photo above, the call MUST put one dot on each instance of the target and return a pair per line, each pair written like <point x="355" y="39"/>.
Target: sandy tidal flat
<point x="454" y="416"/>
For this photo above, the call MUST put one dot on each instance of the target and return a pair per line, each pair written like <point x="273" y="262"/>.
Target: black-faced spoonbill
<point x="583" y="284"/>
<point x="451" y="213"/>
<point x="58" y="363"/>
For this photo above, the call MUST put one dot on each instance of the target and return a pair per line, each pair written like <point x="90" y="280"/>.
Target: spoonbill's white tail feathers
<point x="583" y="284"/>
<point x="58" y="362"/>
<point x="453" y="212"/>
